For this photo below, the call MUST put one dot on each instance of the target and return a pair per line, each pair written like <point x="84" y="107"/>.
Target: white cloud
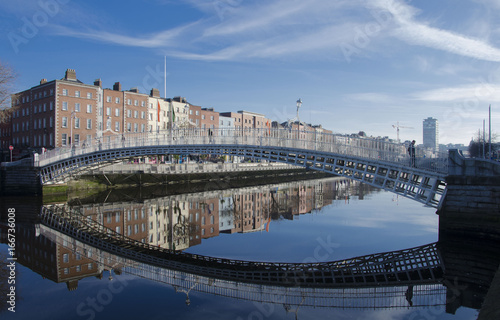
<point x="421" y="34"/>
<point x="478" y="92"/>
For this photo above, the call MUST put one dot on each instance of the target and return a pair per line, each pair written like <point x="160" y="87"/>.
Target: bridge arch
<point x="377" y="163"/>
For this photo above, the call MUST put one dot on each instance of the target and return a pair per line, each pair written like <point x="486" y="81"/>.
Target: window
<point x="108" y="99"/>
<point x="51" y="92"/>
<point x="51" y="122"/>
<point x="190" y="111"/>
<point x="89" y="123"/>
<point x="117" y="100"/>
<point x="136" y="114"/>
<point x="64" y="92"/>
<point x="117" y="229"/>
<point x="143" y="115"/>
<point x="211" y="117"/>
<point x="44" y="123"/>
<point x="129" y="127"/>
<point x="77" y="123"/>
<point x="64" y="138"/>
<point x="51" y="106"/>
<point x="117" y="112"/>
<point x="129" y="113"/>
<point x="143" y="127"/>
<point x="89" y="95"/>
<point x="77" y="94"/>
<point x="64" y="122"/>
<point x="136" y="128"/>
<point x="108" y="111"/>
<point x="197" y="112"/>
<point x="77" y="139"/>
<point x="77" y="107"/>
<point x="44" y="107"/>
<point x="117" y="217"/>
<point x="203" y="116"/>
<point x="143" y="103"/>
<point x="65" y="105"/>
<point x="117" y="126"/>
<point x="136" y="103"/>
<point x="89" y="108"/>
<point x="129" y="102"/>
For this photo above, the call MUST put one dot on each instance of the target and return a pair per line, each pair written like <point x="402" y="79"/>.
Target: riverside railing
<point x="306" y="141"/>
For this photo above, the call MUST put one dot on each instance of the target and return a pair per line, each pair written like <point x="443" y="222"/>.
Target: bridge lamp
<point x="299" y="104"/>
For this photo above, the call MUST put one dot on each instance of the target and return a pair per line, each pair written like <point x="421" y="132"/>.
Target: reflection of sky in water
<point x="378" y="223"/>
<point x="375" y="224"/>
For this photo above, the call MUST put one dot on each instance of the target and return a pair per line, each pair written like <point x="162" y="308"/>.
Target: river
<point x="315" y="221"/>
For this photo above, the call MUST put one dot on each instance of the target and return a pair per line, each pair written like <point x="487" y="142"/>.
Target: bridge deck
<point x="381" y="164"/>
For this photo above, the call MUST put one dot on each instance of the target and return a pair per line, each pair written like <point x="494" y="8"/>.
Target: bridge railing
<point x="313" y="141"/>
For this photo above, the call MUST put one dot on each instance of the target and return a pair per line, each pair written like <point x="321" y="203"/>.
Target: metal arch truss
<point x="419" y="265"/>
<point x="420" y="185"/>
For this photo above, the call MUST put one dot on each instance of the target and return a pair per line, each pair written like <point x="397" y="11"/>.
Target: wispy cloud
<point x="237" y="29"/>
<point x="418" y="33"/>
<point x="155" y="40"/>
<point x="478" y="92"/>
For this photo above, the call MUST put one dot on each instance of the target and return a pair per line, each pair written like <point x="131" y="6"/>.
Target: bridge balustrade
<point x="339" y="144"/>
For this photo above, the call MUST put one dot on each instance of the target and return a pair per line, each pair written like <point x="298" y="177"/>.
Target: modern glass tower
<point x="431" y="133"/>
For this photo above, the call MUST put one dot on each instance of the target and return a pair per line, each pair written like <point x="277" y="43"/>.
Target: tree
<point x="7" y="78"/>
<point x="479" y="147"/>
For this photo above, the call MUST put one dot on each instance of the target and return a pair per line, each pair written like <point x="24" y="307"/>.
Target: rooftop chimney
<point x="70" y="75"/>
<point x="117" y="86"/>
<point x="43" y="81"/>
<point x="136" y="90"/>
<point x="98" y="83"/>
<point x="155" y="93"/>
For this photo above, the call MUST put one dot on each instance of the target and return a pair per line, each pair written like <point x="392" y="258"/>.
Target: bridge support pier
<point x="21" y="179"/>
<point x="472" y="201"/>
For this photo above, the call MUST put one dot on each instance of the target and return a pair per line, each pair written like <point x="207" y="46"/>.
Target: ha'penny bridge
<point x="375" y="162"/>
<point x="388" y="276"/>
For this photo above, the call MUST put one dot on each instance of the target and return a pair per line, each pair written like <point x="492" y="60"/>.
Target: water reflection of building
<point x="52" y="261"/>
<point x="181" y="221"/>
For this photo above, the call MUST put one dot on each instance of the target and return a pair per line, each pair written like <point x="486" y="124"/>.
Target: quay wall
<point x="472" y="201"/>
<point x="19" y="178"/>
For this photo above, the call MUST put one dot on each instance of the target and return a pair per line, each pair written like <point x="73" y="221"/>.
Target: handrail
<point x="283" y="139"/>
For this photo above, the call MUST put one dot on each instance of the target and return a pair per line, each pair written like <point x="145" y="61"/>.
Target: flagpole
<point x="489" y="149"/>
<point x="165" y="80"/>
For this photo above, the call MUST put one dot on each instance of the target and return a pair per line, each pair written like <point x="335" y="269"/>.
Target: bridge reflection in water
<point x="389" y="294"/>
<point x="444" y="273"/>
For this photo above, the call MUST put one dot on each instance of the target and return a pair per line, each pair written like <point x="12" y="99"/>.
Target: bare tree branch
<point x="7" y="78"/>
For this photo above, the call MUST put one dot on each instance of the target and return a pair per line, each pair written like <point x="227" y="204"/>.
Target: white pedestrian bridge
<point x="376" y="162"/>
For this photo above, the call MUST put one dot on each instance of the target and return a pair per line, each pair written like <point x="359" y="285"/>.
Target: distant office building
<point x="431" y="133"/>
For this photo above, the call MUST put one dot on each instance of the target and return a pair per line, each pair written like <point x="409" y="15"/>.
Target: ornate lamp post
<point x="299" y="104"/>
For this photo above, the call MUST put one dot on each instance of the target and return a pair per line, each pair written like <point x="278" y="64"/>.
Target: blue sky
<point x="357" y="65"/>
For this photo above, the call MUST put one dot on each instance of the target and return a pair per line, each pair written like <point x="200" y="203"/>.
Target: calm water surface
<point x="314" y="221"/>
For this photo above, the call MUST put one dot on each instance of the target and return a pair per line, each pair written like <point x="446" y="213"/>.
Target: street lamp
<point x="299" y="104"/>
<point x="73" y="114"/>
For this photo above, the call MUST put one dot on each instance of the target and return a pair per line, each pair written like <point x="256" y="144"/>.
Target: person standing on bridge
<point x="411" y="152"/>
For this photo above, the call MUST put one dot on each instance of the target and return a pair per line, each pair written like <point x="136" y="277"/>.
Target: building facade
<point x="431" y="133"/>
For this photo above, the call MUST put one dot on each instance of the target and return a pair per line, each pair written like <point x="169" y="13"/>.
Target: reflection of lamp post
<point x="299" y="104"/>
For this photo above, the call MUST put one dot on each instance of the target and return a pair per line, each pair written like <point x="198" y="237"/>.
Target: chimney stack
<point x="117" y="86"/>
<point x="98" y="83"/>
<point x="155" y="93"/>
<point x="43" y="81"/>
<point x="70" y="75"/>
